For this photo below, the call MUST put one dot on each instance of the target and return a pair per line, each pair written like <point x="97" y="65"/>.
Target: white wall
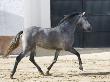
<point x="45" y="14"/>
<point x="11" y="16"/>
<point x="37" y="12"/>
<point x="15" y="14"/>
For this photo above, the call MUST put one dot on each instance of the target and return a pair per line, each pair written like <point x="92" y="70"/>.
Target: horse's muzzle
<point x="89" y="29"/>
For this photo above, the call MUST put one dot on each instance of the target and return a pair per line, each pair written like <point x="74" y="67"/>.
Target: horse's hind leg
<point x="33" y="53"/>
<point x="54" y="61"/>
<point x="18" y="59"/>
<point x="72" y="50"/>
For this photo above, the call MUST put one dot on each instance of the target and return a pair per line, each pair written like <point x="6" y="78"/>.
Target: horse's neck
<point x="68" y="27"/>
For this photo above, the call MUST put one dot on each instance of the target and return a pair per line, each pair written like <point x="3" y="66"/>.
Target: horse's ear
<point x="66" y="15"/>
<point x="82" y="14"/>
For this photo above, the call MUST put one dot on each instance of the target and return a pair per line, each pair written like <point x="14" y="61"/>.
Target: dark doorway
<point x="98" y="14"/>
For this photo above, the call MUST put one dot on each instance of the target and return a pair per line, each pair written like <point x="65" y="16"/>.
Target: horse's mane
<point x="68" y="16"/>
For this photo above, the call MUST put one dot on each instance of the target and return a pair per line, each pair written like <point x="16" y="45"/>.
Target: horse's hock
<point x="4" y="43"/>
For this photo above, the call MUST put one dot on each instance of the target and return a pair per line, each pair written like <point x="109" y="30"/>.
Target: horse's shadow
<point x="84" y="74"/>
<point x="97" y="73"/>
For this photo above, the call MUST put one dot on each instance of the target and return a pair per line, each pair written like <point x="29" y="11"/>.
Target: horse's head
<point x="79" y="20"/>
<point x="83" y="23"/>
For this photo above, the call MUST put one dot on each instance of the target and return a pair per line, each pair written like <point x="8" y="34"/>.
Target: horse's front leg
<point x="54" y="61"/>
<point x="72" y="50"/>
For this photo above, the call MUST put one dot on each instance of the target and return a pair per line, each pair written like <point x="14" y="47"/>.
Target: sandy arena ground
<point x="96" y="63"/>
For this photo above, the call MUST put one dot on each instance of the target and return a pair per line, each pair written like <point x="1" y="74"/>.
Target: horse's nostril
<point x="89" y="29"/>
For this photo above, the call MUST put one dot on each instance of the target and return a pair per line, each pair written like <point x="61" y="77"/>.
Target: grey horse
<point x="58" y="38"/>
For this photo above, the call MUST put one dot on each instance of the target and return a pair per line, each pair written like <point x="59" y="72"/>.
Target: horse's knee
<point x="54" y="61"/>
<point x="31" y="59"/>
<point x="18" y="58"/>
<point x="76" y="53"/>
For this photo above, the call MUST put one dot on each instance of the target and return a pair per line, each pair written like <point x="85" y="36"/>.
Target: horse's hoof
<point x="81" y="68"/>
<point x="41" y="73"/>
<point x="11" y="76"/>
<point x="47" y="73"/>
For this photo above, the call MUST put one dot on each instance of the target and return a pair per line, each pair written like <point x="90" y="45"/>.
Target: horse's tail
<point x="13" y="45"/>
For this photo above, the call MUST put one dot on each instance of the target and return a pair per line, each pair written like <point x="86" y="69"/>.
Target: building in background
<point x="15" y="15"/>
<point x="37" y="13"/>
<point x="18" y="14"/>
<point x="11" y="17"/>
